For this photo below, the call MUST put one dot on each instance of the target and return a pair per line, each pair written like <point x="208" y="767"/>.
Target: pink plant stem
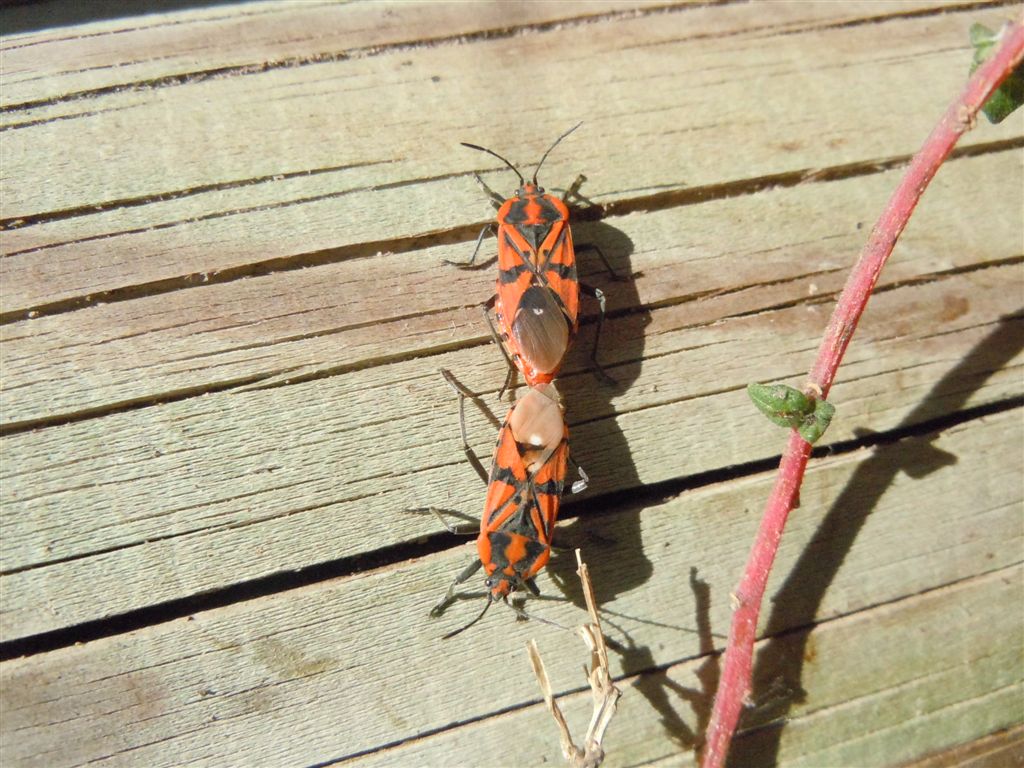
<point x="735" y="686"/>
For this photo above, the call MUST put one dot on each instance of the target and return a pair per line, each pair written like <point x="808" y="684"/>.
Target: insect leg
<point x="531" y="584"/>
<point x="573" y="192"/>
<point x="449" y="596"/>
<point x="599" y="295"/>
<point x="463" y="393"/>
<point x="469" y="264"/>
<point x="487" y="306"/>
<point x="436" y="511"/>
<point x="579" y="486"/>
<point x="496" y="200"/>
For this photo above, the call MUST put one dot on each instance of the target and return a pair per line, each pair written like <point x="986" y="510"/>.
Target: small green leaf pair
<point x="789" y="407"/>
<point x="1010" y="94"/>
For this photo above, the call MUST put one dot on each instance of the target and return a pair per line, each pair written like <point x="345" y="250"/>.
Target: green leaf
<point x="785" y="406"/>
<point x="816" y="423"/>
<point x="1008" y="96"/>
<point x="789" y="407"/>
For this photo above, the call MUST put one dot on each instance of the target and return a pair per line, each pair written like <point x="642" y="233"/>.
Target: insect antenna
<point x="522" y="181"/>
<point x="467" y="626"/>
<point x="549" y="151"/>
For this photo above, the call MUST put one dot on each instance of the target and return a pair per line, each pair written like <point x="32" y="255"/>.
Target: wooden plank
<point x="185" y="216"/>
<point x="147" y="51"/>
<point x="366" y="312"/>
<point x="877" y="690"/>
<point x="225" y="488"/>
<point x="333" y="664"/>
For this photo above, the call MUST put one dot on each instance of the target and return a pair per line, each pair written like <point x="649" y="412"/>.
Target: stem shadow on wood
<point x="779" y="664"/>
<point x="662" y="692"/>
<point x="611" y="542"/>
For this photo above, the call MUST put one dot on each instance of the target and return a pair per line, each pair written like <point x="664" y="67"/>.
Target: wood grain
<point x="160" y="503"/>
<point x="148" y="51"/>
<point x="1004" y="747"/>
<point x="892" y="696"/>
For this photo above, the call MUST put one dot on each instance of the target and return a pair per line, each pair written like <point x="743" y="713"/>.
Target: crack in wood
<point x="616" y="502"/>
<point x="163" y="197"/>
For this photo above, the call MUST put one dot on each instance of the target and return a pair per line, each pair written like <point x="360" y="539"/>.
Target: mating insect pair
<point x="536" y="308"/>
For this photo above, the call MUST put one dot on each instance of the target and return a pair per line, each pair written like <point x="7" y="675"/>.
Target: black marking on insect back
<point x="516" y="214"/>
<point x="537" y="230"/>
<point x="555" y="248"/>
<point x="537" y="233"/>
<point x="504" y="475"/>
<point x="508" y="276"/>
<point x="500" y="543"/>
<point x="552" y="487"/>
<point x="548" y="212"/>
<point x="534" y="549"/>
<point x="520" y="521"/>
<point x="564" y="271"/>
<point x="534" y="234"/>
<point x="534" y="505"/>
<point x="522" y="256"/>
<point x="495" y="513"/>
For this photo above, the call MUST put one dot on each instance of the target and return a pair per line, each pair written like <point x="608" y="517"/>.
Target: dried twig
<point x="734" y="688"/>
<point x="601" y="688"/>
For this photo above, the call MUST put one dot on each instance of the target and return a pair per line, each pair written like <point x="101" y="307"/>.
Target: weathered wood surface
<point x="225" y="308"/>
<point x="346" y="666"/>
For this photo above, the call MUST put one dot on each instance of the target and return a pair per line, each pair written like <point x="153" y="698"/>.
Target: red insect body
<point x="523" y="492"/>
<point x="537" y="290"/>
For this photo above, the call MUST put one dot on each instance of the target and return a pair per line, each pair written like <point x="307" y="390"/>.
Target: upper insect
<point x="536" y="302"/>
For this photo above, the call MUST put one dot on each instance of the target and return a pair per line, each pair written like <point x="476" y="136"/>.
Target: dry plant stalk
<point x="601" y="688"/>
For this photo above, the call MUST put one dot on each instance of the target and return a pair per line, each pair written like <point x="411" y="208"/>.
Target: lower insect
<point x="524" y="489"/>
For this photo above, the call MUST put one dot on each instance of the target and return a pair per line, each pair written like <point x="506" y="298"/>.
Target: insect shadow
<point x="616" y="560"/>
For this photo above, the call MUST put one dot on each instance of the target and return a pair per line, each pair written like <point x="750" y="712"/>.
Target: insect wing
<point x="537" y="286"/>
<point x="507" y="480"/>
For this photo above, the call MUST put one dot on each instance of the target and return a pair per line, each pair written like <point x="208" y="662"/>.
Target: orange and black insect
<point x="524" y="490"/>
<point x="536" y="301"/>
